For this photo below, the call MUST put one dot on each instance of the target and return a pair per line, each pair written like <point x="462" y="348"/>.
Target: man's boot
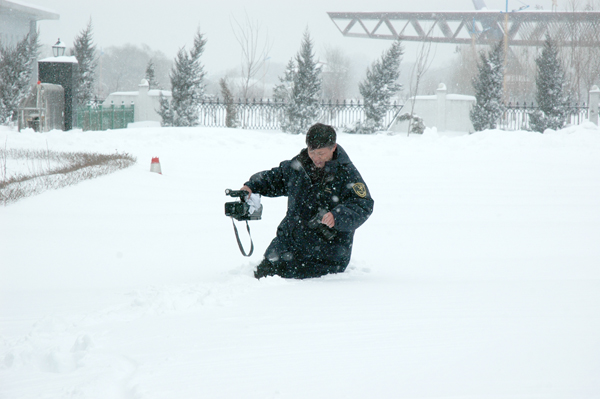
<point x="264" y="269"/>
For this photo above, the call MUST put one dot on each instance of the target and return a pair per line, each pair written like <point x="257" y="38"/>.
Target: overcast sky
<point x="169" y="25"/>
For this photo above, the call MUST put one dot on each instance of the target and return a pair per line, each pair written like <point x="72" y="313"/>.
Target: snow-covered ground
<point x="477" y="276"/>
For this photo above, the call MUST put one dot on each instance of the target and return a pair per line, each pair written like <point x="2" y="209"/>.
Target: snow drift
<point x="476" y="276"/>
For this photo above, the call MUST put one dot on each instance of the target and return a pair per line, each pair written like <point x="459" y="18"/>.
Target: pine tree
<point x="488" y="85"/>
<point x="551" y="95"/>
<point x="151" y="76"/>
<point x="16" y="71"/>
<point x="85" y="52"/>
<point x="304" y="92"/>
<point x="230" y="109"/>
<point x="379" y="86"/>
<point x="187" y="87"/>
<point x="165" y="111"/>
<point x="283" y="91"/>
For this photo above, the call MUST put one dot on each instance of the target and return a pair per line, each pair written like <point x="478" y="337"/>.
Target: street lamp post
<point x="58" y="50"/>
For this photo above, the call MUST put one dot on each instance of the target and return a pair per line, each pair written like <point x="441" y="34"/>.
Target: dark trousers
<point x="296" y="269"/>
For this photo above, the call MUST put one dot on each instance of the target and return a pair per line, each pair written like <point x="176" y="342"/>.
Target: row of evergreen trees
<point x="551" y="94"/>
<point x="299" y="88"/>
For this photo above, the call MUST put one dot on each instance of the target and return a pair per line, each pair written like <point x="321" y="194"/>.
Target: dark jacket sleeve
<point x="270" y="183"/>
<point x="356" y="204"/>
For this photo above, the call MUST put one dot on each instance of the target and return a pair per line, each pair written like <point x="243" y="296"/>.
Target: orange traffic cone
<point x="155" y="166"/>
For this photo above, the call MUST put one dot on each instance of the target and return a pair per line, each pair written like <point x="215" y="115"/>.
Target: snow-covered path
<point x="477" y="275"/>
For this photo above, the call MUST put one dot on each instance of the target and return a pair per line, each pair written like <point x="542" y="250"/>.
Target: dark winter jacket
<point x="337" y="188"/>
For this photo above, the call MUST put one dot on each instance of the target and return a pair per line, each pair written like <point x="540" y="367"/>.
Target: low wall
<point x="147" y="102"/>
<point x="446" y="112"/>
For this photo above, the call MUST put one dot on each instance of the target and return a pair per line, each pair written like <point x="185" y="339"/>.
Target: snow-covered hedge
<point x="24" y="173"/>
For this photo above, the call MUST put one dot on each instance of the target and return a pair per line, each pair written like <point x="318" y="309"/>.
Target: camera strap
<point x="237" y="237"/>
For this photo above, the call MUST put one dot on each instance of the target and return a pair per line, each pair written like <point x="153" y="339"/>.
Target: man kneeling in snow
<point x="327" y="201"/>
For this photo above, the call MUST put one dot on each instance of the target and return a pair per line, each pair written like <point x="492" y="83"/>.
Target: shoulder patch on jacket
<point x="360" y="189"/>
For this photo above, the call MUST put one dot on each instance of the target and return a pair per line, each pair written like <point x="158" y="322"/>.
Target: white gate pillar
<point x="441" y="107"/>
<point x="594" y="99"/>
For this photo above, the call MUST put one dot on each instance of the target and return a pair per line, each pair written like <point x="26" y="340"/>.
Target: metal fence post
<point x="89" y="112"/>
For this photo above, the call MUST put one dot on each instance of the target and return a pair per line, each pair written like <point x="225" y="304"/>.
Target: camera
<point x="240" y="210"/>
<point x="315" y="223"/>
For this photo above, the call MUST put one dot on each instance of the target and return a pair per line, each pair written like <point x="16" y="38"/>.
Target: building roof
<point x="34" y="13"/>
<point x="64" y="59"/>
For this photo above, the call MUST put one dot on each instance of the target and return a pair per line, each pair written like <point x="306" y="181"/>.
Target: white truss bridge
<point x="524" y="28"/>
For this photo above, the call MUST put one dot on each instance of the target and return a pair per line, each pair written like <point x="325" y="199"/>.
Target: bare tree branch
<point x="420" y="68"/>
<point x="255" y="52"/>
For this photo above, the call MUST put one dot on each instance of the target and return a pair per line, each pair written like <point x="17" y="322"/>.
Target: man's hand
<point x="328" y="220"/>
<point x="246" y="188"/>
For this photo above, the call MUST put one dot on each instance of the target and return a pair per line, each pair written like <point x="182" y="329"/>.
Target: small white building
<point x="146" y="102"/>
<point x="446" y="112"/>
